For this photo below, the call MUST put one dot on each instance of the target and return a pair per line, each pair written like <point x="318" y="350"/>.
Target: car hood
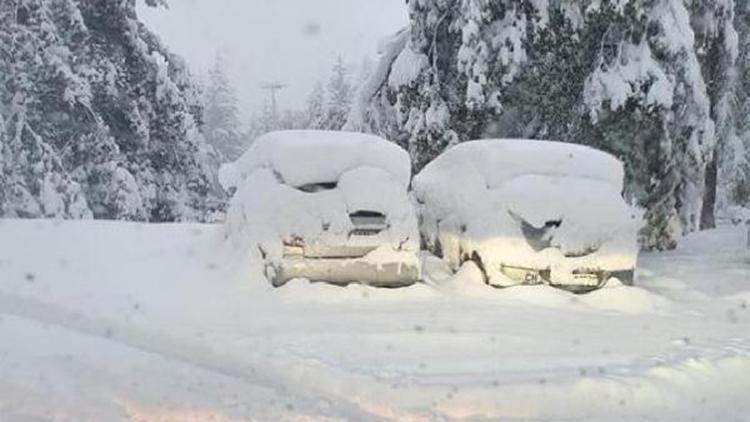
<point x="575" y="215"/>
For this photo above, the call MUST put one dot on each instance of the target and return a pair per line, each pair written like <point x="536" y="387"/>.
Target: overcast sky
<point x="292" y="41"/>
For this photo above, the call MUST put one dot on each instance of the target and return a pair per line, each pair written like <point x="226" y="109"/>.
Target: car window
<point x="318" y="187"/>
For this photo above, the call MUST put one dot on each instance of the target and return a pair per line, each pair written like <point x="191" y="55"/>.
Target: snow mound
<point x="528" y="296"/>
<point x="468" y="282"/>
<point x="306" y="157"/>
<point x="627" y="300"/>
<point x="742" y="299"/>
<point x="620" y="299"/>
<point x="735" y="215"/>
<point x="496" y="161"/>
<point x="302" y="290"/>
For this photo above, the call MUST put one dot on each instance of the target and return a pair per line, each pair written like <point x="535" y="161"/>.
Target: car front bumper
<point x="394" y="273"/>
<point x="578" y="281"/>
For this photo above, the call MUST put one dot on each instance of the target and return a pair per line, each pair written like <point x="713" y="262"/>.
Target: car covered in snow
<point x="326" y="206"/>
<point x="735" y="215"/>
<point x="529" y="212"/>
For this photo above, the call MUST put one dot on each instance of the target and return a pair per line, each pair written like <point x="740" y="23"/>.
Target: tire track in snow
<point x="260" y="373"/>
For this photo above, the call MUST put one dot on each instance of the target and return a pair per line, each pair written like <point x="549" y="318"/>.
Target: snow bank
<point x="468" y="282"/>
<point x="715" y="262"/>
<point x="615" y="297"/>
<point x="735" y="214"/>
<point x="157" y="319"/>
<point x="305" y="291"/>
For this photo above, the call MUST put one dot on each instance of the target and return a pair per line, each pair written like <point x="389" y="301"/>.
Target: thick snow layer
<point x="616" y="85"/>
<point x="496" y="161"/>
<point x="479" y="195"/>
<point x="389" y="51"/>
<point x="406" y="68"/>
<point x="304" y="157"/>
<point x="117" y="321"/>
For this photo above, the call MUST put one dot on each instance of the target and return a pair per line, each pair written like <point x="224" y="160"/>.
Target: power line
<point x="273" y="88"/>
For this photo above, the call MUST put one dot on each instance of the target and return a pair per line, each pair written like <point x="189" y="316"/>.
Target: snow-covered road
<point x="109" y="321"/>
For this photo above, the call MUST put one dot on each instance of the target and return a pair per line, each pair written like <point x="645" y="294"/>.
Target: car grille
<point x="526" y="275"/>
<point x="367" y="223"/>
<point x="531" y="276"/>
<point x="365" y="232"/>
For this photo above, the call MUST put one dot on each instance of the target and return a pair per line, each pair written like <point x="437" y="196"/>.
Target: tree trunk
<point x="708" y="217"/>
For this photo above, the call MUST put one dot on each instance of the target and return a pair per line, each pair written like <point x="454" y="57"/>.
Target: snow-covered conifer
<point x="315" y="111"/>
<point x="630" y="77"/>
<point x="340" y="94"/>
<point x="221" y="114"/>
<point x="99" y="116"/>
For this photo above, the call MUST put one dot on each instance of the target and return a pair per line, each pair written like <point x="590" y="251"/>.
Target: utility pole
<point x="273" y="88"/>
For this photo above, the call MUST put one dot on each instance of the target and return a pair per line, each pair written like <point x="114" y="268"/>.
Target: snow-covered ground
<point x="108" y="321"/>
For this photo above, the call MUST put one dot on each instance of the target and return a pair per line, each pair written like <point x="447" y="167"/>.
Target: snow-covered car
<point x="326" y="206"/>
<point x="735" y="215"/>
<point x="529" y="212"/>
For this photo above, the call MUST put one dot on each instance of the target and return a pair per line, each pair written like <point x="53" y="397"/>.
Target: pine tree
<point x="625" y="77"/>
<point x="340" y="94"/>
<point x="292" y="120"/>
<point x="717" y="48"/>
<point x="734" y="162"/>
<point x="221" y="115"/>
<point x="648" y="102"/>
<point x="364" y="71"/>
<point x="101" y="120"/>
<point x="315" y="111"/>
<point x="4" y="182"/>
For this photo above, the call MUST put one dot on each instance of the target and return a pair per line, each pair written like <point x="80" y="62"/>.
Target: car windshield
<point x="318" y="187"/>
<point x="356" y="210"/>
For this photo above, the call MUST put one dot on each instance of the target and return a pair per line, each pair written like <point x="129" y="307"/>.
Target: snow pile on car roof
<point x="299" y="158"/>
<point x="498" y="160"/>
